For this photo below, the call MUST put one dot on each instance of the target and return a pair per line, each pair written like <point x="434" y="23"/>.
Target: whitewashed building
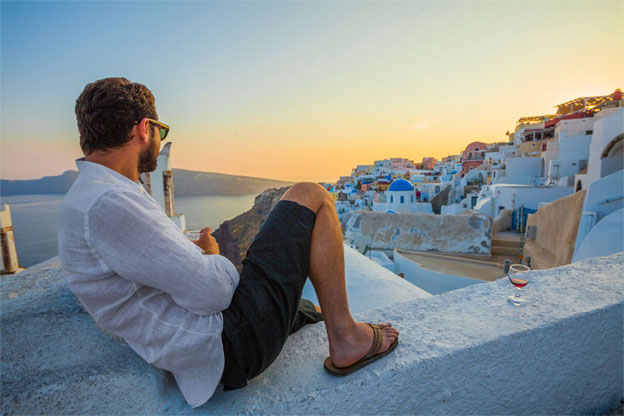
<point x="606" y="150"/>
<point x="429" y="190"/>
<point x="573" y="154"/>
<point x="401" y="198"/>
<point x="522" y="171"/>
<point x="494" y="198"/>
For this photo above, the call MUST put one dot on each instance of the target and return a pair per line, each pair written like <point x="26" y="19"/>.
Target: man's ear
<point x="142" y="130"/>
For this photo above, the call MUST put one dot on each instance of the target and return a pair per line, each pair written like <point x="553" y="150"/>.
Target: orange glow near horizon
<point x="305" y="91"/>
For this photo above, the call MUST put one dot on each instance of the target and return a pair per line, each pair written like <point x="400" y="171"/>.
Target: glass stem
<point x="518" y="293"/>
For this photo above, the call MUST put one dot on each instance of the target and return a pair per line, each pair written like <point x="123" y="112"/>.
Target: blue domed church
<point x="401" y="198"/>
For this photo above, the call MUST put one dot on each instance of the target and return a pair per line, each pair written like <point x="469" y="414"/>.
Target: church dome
<point x="401" y="185"/>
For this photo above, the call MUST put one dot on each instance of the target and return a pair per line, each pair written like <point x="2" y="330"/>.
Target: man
<point x="178" y="303"/>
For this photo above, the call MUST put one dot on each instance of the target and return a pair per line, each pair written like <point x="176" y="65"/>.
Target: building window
<point x="437" y="189"/>
<point x="391" y="199"/>
<point x="402" y="199"/>
<point x="412" y="198"/>
<point x="588" y="132"/>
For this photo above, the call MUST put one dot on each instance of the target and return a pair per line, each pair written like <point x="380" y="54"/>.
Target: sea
<point x="35" y="219"/>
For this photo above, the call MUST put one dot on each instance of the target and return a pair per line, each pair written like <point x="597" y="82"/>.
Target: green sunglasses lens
<point x="163" y="133"/>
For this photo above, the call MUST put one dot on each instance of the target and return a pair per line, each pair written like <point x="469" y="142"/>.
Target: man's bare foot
<point x="354" y="345"/>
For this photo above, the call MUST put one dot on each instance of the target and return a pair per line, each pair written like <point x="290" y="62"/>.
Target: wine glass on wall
<point x="519" y="277"/>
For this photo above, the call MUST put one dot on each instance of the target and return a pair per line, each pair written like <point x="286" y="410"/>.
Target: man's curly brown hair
<point x="108" y="109"/>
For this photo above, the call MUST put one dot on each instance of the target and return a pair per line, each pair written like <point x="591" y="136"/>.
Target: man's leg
<point x="348" y="340"/>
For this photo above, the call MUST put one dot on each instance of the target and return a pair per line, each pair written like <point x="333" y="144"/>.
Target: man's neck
<point x="120" y="163"/>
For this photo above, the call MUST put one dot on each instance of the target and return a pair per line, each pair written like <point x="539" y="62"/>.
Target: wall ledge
<point x="463" y="352"/>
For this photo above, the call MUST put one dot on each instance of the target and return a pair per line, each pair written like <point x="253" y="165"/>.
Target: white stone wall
<point x="420" y="232"/>
<point x="603" y="197"/>
<point x="513" y="197"/>
<point x="522" y="170"/>
<point x="573" y="127"/>
<point x="370" y="285"/>
<point x="572" y="158"/>
<point x="608" y="124"/>
<point x="464" y="352"/>
<point x="430" y="281"/>
<point x="456" y="209"/>
<point x="416" y="207"/>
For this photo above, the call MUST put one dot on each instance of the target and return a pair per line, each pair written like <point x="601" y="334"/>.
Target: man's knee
<point x="312" y="195"/>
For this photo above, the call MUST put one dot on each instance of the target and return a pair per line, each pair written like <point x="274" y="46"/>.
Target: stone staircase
<point x="507" y="243"/>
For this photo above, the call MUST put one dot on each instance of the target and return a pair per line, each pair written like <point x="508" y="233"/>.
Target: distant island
<point x="185" y="183"/>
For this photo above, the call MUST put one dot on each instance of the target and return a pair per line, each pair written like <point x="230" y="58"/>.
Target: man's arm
<point x="135" y="239"/>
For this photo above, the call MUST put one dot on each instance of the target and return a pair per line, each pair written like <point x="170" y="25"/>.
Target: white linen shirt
<point x="140" y="278"/>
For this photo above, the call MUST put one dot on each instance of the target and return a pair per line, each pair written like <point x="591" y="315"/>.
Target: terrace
<point x="463" y="352"/>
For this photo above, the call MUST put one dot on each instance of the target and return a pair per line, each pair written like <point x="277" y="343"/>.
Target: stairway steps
<point x="496" y="249"/>
<point x="507" y="243"/>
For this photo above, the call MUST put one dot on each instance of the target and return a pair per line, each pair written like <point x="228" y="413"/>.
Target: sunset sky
<point x="301" y="91"/>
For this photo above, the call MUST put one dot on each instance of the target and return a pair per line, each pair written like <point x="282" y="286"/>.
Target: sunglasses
<point x="162" y="127"/>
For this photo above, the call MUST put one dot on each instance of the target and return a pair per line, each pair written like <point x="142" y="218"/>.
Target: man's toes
<point x="389" y="330"/>
<point x="391" y="336"/>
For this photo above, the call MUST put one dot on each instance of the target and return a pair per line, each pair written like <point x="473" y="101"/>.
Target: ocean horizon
<point x="35" y="220"/>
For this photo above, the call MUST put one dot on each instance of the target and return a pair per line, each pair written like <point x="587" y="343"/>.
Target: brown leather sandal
<point x="372" y="356"/>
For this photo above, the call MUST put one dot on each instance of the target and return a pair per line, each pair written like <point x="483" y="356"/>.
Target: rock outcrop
<point x="440" y="199"/>
<point x="235" y="236"/>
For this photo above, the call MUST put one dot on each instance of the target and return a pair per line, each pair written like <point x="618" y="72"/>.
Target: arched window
<point x="612" y="159"/>
<point x="391" y="199"/>
<point x="402" y="199"/>
<point x="412" y="198"/>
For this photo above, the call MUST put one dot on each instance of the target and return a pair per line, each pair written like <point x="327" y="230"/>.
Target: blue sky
<point x="301" y="90"/>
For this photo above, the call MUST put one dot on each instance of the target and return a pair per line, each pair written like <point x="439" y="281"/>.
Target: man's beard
<point x="148" y="159"/>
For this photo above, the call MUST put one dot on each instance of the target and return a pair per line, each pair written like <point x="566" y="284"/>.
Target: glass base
<point x="516" y="301"/>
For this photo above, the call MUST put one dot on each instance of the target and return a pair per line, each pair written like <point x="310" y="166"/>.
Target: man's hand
<point x="207" y="242"/>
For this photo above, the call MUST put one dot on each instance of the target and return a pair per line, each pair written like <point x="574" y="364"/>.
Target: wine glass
<point x="192" y="235"/>
<point x="519" y="277"/>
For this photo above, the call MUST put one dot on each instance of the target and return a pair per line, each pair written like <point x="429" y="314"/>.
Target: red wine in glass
<point x="517" y="282"/>
<point x="519" y="277"/>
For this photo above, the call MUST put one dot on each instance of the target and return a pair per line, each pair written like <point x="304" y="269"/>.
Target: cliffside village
<point x="546" y="157"/>
<point x="546" y="160"/>
<point x="549" y="195"/>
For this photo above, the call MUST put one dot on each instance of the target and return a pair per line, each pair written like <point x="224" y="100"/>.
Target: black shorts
<point x="267" y="305"/>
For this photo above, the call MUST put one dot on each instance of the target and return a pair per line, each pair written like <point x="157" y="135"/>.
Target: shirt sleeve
<point x="136" y="240"/>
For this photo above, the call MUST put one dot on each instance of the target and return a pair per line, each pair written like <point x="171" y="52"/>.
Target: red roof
<point x="580" y="114"/>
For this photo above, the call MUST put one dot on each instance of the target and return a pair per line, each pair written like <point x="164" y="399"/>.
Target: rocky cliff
<point x="235" y="236"/>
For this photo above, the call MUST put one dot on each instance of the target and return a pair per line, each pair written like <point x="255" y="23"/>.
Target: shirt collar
<point x="103" y="173"/>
